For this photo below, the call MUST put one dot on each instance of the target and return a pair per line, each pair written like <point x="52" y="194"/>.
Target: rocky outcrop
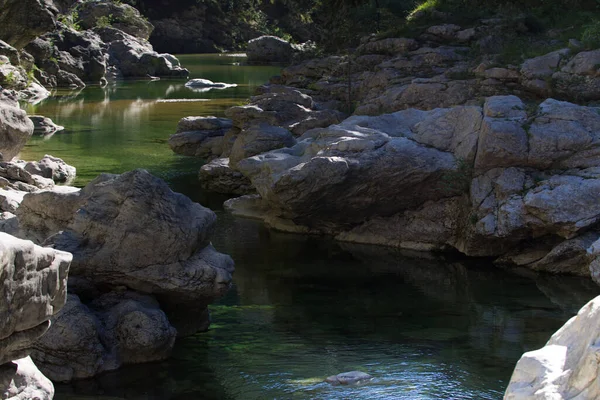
<point x="114" y="329"/>
<point x="566" y="367"/>
<point x="200" y="136"/>
<point x="486" y="181"/>
<point x="217" y="176"/>
<point x="68" y="57"/>
<point x="52" y="168"/>
<point x="34" y="288"/>
<point x="132" y="230"/>
<point x="15" y="127"/>
<point x="120" y="16"/>
<point x="22" y="20"/>
<point x="132" y="290"/>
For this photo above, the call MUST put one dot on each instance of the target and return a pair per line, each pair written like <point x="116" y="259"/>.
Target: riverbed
<point x="426" y="326"/>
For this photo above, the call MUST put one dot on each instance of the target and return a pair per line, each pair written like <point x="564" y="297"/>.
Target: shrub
<point x="591" y="35"/>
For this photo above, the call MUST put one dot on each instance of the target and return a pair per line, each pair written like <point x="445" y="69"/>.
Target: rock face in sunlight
<point x="34" y="287"/>
<point x="21" y="380"/>
<point x="15" y="127"/>
<point x="494" y="181"/>
<point x="567" y="367"/>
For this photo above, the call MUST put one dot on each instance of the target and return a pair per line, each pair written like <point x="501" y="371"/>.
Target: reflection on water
<point x="304" y="308"/>
<point x="126" y="125"/>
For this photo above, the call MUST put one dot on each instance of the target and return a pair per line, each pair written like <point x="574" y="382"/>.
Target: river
<point x="302" y="308"/>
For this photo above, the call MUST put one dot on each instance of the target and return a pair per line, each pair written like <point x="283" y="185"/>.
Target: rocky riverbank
<point x="76" y="43"/>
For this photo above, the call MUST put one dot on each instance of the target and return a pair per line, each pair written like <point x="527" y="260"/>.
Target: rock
<point x="218" y="176"/>
<point x="259" y="139"/>
<point x="52" y="168"/>
<point x="114" y="329"/>
<point x="15" y="127"/>
<point x="389" y="46"/>
<point x="135" y="58"/>
<point x="204" y="85"/>
<point x="200" y="136"/>
<point x="15" y="171"/>
<point x="112" y="229"/>
<point x="349" y="378"/>
<point x="22" y="20"/>
<point x="10" y="200"/>
<point x="44" y="126"/>
<point x="446" y="31"/>
<point x="34" y="288"/>
<point x="119" y="15"/>
<point x="10" y="52"/>
<point x="21" y="380"/>
<point x="269" y="49"/>
<point x="543" y="66"/>
<point x="566" y="367"/>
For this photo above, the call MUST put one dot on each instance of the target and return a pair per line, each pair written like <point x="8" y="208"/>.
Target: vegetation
<point x="70" y="20"/>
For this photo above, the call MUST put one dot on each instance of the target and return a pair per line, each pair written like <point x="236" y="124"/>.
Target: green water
<point x="302" y="308"/>
<point x="126" y="126"/>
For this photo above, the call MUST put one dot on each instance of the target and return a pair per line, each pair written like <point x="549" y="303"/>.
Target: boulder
<point x="566" y="367"/>
<point x="269" y="49"/>
<point x="114" y="329"/>
<point x="259" y="139"/>
<point x="34" y="288"/>
<point x="21" y="380"/>
<point x="200" y="136"/>
<point x="218" y="176"/>
<point x="349" y="378"/>
<point x="22" y="20"/>
<point x="52" y="168"/>
<point x="15" y="127"/>
<point x="44" y="126"/>
<point x="132" y="230"/>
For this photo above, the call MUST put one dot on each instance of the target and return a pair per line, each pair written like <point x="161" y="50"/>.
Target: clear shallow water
<point x="303" y="308"/>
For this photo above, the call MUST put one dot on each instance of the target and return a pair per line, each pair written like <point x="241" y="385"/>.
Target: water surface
<point x="303" y="308"/>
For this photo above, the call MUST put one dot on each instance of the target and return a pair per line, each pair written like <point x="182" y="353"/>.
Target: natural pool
<point x="303" y="308"/>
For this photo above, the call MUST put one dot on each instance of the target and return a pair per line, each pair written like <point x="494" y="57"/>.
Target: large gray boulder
<point x="34" y="288"/>
<point x="567" y="367"/>
<point x="114" y="329"/>
<point x="269" y="49"/>
<point x="132" y="230"/>
<point x="15" y="127"/>
<point x="200" y="136"/>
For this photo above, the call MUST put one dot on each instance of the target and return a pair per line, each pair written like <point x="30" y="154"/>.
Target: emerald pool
<point x="426" y="326"/>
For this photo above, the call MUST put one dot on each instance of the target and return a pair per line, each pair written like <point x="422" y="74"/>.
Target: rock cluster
<point x="436" y="70"/>
<point x="83" y="41"/>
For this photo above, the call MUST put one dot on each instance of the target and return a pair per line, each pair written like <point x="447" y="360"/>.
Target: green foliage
<point x="70" y="20"/>
<point x="104" y="21"/>
<point x="591" y="35"/>
<point x="11" y="79"/>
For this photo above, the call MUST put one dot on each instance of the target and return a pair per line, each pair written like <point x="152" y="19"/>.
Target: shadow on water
<point x="304" y="307"/>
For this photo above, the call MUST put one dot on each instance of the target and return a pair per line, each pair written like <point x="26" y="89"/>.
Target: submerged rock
<point x="567" y="367"/>
<point x="205" y="85"/>
<point x="44" y="126"/>
<point x="115" y="329"/>
<point x="349" y="378"/>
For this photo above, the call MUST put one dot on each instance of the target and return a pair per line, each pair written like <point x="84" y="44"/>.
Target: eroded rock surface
<point x="566" y="367"/>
